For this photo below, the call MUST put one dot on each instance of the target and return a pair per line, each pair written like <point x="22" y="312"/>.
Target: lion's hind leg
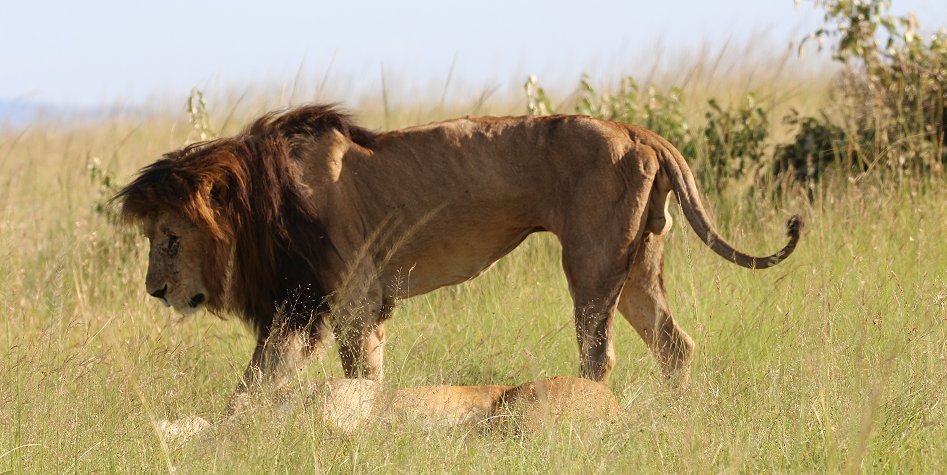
<point x="644" y="305"/>
<point x="594" y="301"/>
<point x="596" y="270"/>
<point x="596" y="256"/>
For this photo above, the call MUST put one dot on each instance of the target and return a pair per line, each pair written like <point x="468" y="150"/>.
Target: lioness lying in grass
<point x="349" y="404"/>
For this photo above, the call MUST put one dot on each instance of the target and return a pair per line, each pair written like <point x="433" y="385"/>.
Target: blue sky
<point x="92" y="53"/>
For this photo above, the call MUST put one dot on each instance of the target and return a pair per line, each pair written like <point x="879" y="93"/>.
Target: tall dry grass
<point x="831" y="362"/>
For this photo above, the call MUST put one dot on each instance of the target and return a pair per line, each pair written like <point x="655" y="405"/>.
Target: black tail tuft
<point x="794" y="226"/>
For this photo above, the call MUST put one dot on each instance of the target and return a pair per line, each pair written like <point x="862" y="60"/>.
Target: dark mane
<point x="243" y="191"/>
<point x="310" y="121"/>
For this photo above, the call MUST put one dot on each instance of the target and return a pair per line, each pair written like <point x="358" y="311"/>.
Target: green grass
<point x="833" y="361"/>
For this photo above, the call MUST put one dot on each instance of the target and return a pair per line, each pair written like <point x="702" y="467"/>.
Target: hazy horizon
<point x="100" y="53"/>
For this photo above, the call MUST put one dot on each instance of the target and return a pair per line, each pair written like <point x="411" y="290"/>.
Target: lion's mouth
<point x="196" y="300"/>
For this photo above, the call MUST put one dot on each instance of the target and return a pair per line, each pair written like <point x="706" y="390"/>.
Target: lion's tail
<point x="682" y="180"/>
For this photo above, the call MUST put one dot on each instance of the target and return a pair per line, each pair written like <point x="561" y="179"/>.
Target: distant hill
<point x="18" y="112"/>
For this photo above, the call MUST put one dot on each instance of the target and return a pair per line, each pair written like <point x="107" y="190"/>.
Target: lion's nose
<point x="159" y="294"/>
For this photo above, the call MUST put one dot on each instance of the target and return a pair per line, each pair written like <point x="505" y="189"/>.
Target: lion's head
<point x="176" y="268"/>
<point x="224" y="219"/>
<point x="191" y="240"/>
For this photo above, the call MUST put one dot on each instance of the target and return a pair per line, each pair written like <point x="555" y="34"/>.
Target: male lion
<point x="305" y="220"/>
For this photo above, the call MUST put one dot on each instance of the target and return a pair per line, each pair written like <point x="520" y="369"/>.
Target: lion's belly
<point x="432" y="262"/>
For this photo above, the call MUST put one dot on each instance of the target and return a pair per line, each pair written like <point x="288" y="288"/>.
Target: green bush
<point x="735" y="139"/>
<point x="816" y="146"/>
<point x="894" y="98"/>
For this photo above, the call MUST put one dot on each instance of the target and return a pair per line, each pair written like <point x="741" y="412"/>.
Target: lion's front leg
<point x="277" y="360"/>
<point x="359" y="308"/>
<point x="361" y="346"/>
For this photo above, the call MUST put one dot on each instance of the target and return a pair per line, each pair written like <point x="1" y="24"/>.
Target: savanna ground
<point x="832" y="361"/>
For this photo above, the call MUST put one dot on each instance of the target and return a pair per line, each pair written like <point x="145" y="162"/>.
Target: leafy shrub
<point x="894" y="91"/>
<point x="735" y="139"/>
<point x="817" y="144"/>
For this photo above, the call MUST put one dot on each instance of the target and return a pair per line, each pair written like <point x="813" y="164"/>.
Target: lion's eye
<point x="173" y="245"/>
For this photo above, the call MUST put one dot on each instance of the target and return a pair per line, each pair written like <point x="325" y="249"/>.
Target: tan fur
<point x="350" y="404"/>
<point x="305" y="216"/>
<point x="180" y="274"/>
<point x="533" y="405"/>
